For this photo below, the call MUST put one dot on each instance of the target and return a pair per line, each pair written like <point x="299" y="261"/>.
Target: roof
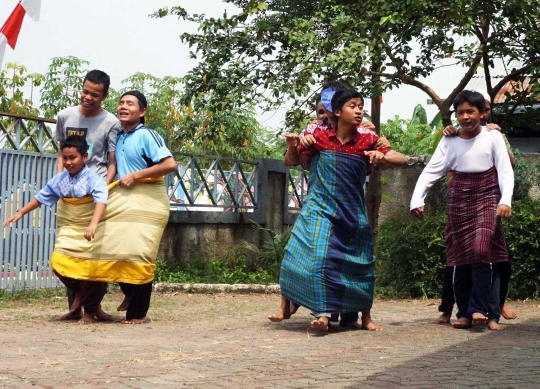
<point x="500" y="70"/>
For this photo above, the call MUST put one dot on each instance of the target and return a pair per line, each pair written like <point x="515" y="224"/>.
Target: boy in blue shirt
<point x="76" y="180"/>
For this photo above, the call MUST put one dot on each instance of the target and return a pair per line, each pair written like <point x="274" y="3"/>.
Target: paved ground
<point x="224" y="340"/>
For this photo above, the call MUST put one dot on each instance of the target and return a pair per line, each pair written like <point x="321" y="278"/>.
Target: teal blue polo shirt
<point x="139" y="149"/>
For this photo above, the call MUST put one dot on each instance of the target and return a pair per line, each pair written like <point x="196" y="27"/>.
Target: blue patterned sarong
<point x="328" y="265"/>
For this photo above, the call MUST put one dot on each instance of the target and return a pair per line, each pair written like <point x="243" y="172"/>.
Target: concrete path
<point x="225" y="341"/>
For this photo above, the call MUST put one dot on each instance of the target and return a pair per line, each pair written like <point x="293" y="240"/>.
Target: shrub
<point x="411" y="256"/>
<point x="523" y="239"/>
<point x="412" y="253"/>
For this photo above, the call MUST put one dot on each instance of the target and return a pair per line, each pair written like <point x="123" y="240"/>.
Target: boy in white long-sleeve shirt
<point x="479" y="196"/>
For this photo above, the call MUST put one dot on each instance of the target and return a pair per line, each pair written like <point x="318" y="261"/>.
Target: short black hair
<point x="344" y="95"/>
<point x="98" y="77"/>
<point x="473" y="98"/>
<point x="143" y="104"/>
<point x="77" y="142"/>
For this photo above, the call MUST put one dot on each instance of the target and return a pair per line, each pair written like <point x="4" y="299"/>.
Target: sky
<point x="120" y="38"/>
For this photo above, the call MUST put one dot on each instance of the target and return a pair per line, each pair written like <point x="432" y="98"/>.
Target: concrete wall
<point x="214" y="234"/>
<point x="211" y="234"/>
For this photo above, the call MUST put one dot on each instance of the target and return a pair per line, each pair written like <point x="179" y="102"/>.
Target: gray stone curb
<point x="215" y="288"/>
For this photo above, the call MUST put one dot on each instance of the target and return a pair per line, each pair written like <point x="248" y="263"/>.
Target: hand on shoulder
<point x="493" y="126"/>
<point x="450" y="131"/>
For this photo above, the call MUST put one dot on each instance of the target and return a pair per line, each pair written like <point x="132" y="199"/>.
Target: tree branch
<point x="464" y="81"/>
<point x="406" y="79"/>
<point x="509" y="77"/>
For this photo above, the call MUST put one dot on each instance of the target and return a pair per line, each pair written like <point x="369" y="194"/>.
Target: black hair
<point x="77" y="142"/>
<point x="98" y="77"/>
<point x="317" y="101"/>
<point x="344" y="95"/>
<point x="143" y="104"/>
<point x="336" y="85"/>
<point x="473" y="98"/>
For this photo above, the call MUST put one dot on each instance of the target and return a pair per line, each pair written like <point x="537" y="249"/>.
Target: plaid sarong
<point x="474" y="232"/>
<point x="127" y="239"/>
<point x="329" y="263"/>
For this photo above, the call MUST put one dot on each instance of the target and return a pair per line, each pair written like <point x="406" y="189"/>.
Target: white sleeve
<point x="434" y="170"/>
<point x="505" y="173"/>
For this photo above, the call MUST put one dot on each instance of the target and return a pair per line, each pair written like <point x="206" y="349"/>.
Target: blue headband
<point x="326" y="98"/>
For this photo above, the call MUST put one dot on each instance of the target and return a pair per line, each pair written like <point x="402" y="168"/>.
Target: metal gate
<point x="27" y="162"/>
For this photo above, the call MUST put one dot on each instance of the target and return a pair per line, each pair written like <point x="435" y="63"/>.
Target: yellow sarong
<point x="127" y="238"/>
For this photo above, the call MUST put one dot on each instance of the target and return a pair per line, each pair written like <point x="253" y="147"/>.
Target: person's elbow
<point x="395" y="159"/>
<point x="289" y="163"/>
<point x="169" y="165"/>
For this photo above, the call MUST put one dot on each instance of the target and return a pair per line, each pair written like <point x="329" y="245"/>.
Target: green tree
<point x="195" y="124"/>
<point x="14" y="86"/>
<point x="415" y="136"/>
<point x="282" y="50"/>
<point x="62" y="85"/>
<point x="190" y="124"/>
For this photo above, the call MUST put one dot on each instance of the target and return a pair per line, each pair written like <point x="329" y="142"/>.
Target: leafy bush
<point x="272" y="251"/>
<point x="415" y="136"/>
<point x="523" y="239"/>
<point x="230" y="266"/>
<point x="527" y="175"/>
<point x="412" y="254"/>
<point x="219" y="271"/>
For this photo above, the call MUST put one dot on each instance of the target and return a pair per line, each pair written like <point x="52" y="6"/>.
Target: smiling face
<point x="92" y="95"/>
<point x="469" y="118"/>
<point x="73" y="161"/>
<point x="129" y="111"/>
<point x="352" y="112"/>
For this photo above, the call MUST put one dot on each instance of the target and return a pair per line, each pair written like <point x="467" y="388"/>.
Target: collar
<point x="332" y="133"/>
<point x="137" y="127"/>
<point x="80" y="174"/>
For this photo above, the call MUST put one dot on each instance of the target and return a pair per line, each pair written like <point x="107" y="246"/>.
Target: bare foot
<point x="479" y="319"/>
<point x="462" y="323"/>
<point x="124" y="305"/>
<point x="77" y="315"/>
<point x="443" y="319"/>
<point x="320" y="324"/>
<point x="508" y="313"/>
<point x="88" y="318"/>
<point x="493" y="325"/>
<point x="284" y="311"/>
<point x="294" y="308"/>
<point x="367" y="323"/>
<point x="101" y="315"/>
<point x="137" y="321"/>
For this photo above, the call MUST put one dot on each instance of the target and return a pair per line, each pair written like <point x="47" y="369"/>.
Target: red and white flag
<point x="11" y="28"/>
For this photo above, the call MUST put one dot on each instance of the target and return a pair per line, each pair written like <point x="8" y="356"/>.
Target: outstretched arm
<point x="394" y="159"/>
<point x="33" y="204"/>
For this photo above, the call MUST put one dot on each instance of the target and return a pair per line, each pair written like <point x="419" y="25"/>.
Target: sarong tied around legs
<point x="329" y="263"/>
<point x="474" y="232"/>
<point x="127" y="239"/>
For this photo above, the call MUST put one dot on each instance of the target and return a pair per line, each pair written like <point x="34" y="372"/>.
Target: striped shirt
<point x="139" y="149"/>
